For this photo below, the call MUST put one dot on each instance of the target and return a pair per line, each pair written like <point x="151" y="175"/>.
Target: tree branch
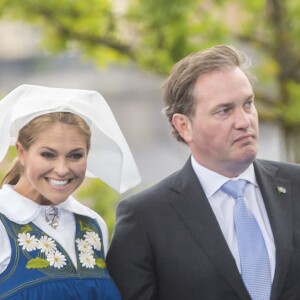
<point x="68" y="33"/>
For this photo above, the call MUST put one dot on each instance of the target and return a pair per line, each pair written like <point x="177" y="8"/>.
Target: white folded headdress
<point x="109" y="158"/>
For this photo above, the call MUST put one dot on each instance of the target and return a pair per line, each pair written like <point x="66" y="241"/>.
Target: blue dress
<point x="40" y="269"/>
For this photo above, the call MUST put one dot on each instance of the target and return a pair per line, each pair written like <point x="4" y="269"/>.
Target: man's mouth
<point x="244" y="138"/>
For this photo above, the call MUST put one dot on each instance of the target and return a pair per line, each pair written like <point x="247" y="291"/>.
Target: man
<point x="180" y="240"/>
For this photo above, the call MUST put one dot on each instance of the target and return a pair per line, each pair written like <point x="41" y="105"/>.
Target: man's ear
<point x="183" y="125"/>
<point x="20" y="152"/>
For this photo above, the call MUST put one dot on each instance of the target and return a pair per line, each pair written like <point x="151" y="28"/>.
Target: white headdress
<point x="109" y="158"/>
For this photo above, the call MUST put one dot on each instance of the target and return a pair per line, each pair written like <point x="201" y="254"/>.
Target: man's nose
<point x="242" y="119"/>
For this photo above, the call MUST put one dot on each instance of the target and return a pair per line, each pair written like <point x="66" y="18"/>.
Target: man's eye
<point x="248" y="104"/>
<point x="223" y="111"/>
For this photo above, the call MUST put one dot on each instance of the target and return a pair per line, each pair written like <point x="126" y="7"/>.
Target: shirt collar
<point x="212" y="181"/>
<point x="22" y="210"/>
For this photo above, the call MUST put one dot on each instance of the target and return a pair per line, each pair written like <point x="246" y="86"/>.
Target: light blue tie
<point x="255" y="265"/>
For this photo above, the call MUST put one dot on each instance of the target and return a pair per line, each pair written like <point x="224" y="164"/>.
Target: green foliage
<point x="7" y="162"/>
<point x="101" y="198"/>
<point x="89" y="26"/>
<point x="290" y="111"/>
<point x="169" y="31"/>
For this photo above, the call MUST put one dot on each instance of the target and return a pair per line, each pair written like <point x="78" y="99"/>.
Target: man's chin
<point x="247" y="158"/>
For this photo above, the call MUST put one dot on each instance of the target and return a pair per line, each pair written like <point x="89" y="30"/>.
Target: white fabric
<point x="22" y="210"/>
<point x="109" y="159"/>
<point x="222" y="205"/>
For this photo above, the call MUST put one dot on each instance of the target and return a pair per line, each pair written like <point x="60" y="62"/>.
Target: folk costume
<point x="50" y="252"/>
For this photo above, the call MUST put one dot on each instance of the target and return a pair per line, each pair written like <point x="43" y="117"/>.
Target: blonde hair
<point x="30" y="133"/>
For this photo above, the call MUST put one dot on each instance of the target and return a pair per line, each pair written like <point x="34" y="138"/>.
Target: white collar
<point x="22" y="210"/>
<point x="212" y="181"/>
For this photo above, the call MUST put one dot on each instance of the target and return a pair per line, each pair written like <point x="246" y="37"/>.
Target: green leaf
<point x="83" y="227"/>
<point x="26" y="228"/>
<point x="37" y="263"/>
<point x="101" y="263"/>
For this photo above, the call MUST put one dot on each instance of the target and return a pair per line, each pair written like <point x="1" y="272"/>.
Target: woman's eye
<point x="47" y="154"/>
<point x="76" y="156"/>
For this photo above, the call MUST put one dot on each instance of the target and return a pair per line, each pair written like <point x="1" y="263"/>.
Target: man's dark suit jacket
<point x="168" y="245"/>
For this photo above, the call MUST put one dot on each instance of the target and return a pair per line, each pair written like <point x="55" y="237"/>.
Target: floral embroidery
<point x="27" y="241"/>
<point x="93" y="239"/>
<point x="46" y="245"/>
<point x="86" y="247"/>
<point x="56" y="259"/>
<point x="50" y="256"/>
<point x="87" y="260"/>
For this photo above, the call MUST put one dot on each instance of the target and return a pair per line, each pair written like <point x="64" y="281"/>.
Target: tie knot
<point x="235" y="188"/>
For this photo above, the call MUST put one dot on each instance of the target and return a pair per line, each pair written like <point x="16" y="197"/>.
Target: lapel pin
<point x="281" y="190"/>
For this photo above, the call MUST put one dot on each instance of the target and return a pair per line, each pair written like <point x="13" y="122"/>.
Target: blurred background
<point x="124" y="49"/>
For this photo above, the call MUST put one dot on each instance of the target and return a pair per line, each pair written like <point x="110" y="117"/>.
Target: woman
<point x="51" y="245"/>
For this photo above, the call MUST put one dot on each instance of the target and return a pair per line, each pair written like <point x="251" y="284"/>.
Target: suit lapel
<point x="276" y="193"/>
<point x="195" y="211"/>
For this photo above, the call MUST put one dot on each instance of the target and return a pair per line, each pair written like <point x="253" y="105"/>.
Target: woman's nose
<point x="61" y="167"/>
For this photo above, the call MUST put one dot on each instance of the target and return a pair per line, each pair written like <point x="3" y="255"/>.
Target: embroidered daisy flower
<point x="93" y="239"/>
<point x="87" y="260"/>
<point x="56" y="259"/>
<point x="84" y="246"/>
<point x="27" y="241"/>
<point x="46" y="245"/>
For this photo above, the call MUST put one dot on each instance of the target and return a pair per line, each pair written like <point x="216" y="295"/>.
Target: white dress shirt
<point x="222" y="205"/>
<point x="22" y="210"/>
